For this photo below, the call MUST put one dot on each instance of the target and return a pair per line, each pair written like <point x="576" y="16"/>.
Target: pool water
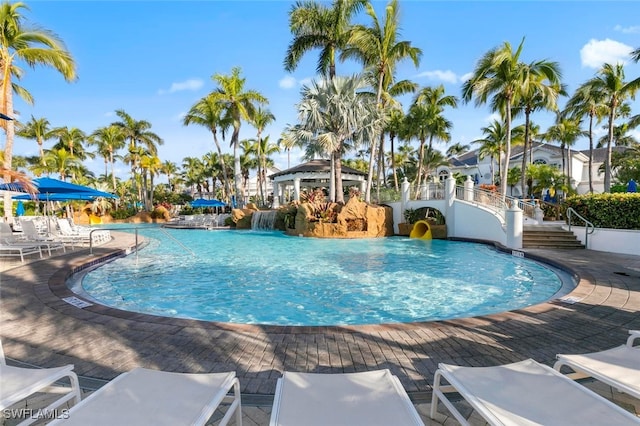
<point x="255" y="277"/>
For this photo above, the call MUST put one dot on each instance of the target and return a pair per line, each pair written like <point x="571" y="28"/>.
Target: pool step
<point x="549" y="237"/>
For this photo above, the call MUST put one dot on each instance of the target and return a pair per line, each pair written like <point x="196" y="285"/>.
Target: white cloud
<point x="287" y="82"/>
<point x="634" y="29"/>
<point x="598" y="52"/>
<point x="191" y="84"/>
<point x="447" y="76"/>
<point x="465" y="77"/>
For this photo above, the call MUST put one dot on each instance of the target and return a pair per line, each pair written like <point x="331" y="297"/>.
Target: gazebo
<point x="312" y="174"/>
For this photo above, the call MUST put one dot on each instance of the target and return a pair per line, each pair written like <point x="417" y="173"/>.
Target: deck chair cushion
<point x="367" y="398"/>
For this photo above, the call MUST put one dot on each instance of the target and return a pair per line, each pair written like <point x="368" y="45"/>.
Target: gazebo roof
<point x="316" y="166"/>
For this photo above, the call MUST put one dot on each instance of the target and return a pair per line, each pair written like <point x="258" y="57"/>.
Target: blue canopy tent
<point x="47" y="187"/>
<point x="632" y="186"/>
<point x="201" y="202"/>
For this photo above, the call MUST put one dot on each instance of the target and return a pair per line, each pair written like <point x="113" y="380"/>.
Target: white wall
<point x="612" y="240"/>
<point x="476" y="222"/>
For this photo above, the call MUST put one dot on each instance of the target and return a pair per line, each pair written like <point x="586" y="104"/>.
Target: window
<point x="539" y="161"/>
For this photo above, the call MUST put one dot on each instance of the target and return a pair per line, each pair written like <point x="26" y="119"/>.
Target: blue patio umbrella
<point x="47" y="187"/>
<point x="20" y="209"/>
<point x="201" y="202"/>
<point x="632" y="186"/>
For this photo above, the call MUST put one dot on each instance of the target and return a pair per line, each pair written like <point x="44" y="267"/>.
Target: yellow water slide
<point x="95" y="220"/>
<point x="422" y="230"/>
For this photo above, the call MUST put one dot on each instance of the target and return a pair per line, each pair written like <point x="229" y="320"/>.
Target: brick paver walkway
<point x="36" y="326"/>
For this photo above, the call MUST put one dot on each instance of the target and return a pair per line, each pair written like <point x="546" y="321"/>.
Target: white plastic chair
<point x="618" y="367"/>
<point x="151" y="397"/>
<point x="368" y="398"/>
<point x="17" y="383"/>
<point x="525" y="393"/>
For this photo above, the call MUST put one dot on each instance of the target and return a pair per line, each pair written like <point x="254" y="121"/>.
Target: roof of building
<point x="316" y="166"/>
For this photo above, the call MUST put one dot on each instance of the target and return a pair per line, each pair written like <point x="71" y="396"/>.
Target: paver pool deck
<point x="38" y="327"/>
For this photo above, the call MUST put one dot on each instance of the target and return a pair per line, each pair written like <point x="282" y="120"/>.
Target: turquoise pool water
<point x="269" y="278"/>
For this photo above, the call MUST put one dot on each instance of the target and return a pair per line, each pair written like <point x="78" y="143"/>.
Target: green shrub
<point x="123" y="213"/>
<point x="616" y="211"/>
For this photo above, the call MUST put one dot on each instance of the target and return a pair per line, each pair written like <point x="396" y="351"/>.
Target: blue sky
<point x="155" y="59"/>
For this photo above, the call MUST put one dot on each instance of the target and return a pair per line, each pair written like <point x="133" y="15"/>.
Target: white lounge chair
<point x="31" y="235"/>
<point x="368" y="398"/>
<point x="525" y="393"/>
<point x="617" y="367"/>
<point x="17" y="383"/>
<point x="8" y="249"/>
<point x="151" y="397"/>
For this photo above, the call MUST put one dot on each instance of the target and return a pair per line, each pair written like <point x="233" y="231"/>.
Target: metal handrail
<point x="112" y="229"/>
<point x="588" y="225"/>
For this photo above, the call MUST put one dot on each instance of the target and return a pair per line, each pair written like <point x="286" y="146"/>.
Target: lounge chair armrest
<point x="633" y="335"/>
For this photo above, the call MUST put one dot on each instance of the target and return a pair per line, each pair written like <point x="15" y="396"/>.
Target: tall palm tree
<point x="433" y="101"/>
<point x="137" y="132"/>
<point x="60" y="161"/>
<point x="170" y="169"/>
<point x="566" y="131"/>
<point x="457" y="149"/>
<point x="39" y="130"/>
<point x="589" y="102"/>
<point x="208" y="113"/>
<point x="238" y="104"/>
<point x="394" y="128"/>
<point x="610" y="83"/>
<point x="498" y="74"/>
<point x="540" y="89"/>
<point x="151" y="166"/>
<point x="109" y="140"/>
<point x="315" y="25"/>
<point x="493" y="143"/>
<point x="261" y="119"/>
<point x="32" y="45"/>
<point x="288" y="141"/>
<point x="378" y="47"/>
<point x="333" y="112"/>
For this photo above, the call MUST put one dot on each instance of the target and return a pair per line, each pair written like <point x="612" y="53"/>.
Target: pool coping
<point x="38" y="326"/>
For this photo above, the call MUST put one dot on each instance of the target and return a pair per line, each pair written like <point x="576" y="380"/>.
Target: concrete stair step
<point x="549" y="237"/>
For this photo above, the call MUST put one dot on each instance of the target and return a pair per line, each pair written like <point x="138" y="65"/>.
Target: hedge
<point x="616" y="211"/>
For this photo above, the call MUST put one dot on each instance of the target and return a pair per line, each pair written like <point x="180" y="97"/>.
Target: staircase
<point x="549" y="237"/>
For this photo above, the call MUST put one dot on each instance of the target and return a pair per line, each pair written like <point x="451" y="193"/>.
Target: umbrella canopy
<point x="632" y="186"/>
<point x="47" y="187"/>
<point x="201" y="202"/>
<point x="57" y="197"/>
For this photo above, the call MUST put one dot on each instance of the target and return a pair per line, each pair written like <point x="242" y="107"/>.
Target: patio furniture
<point x="151" y="397"/>
<point x="31" y="235"/>
<point x="9" y="249"/>
<point x="18" y="383"/>
<point x="617" y="367"/>
<point x="367" y="398"/>
<point x="525" y="393"/>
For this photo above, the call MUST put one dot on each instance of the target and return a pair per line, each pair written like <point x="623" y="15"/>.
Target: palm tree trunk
<point x="523" y="172"/>
<point x="8" y="145"/>
<point x="607" y="164"/>
<point x="259" y="180"/>
<point x="372" y="156"/>
<point x="420" y="161"/>
<point x="227" y="187"/>
<point x="237" y="171"/>
<point x="338" y="168"/>
<point x="381" y="171"/>
<point x="590" y="152"/>
<point x="507" y="157"/>
<point x="393" y="164"/>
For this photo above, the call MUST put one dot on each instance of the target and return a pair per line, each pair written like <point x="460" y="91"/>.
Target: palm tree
<point x="378" y="47"/>
<point x="207" y="112"/>
<point x="60" y="161"/>
<point x="540" y="89"/>
<point x="71" y="139"/>
<point x="394" y="128"/>
<point x="433" y="101"/>
<point x="37" y="129"/>
<point x="492" y="144"/>
<point x="261" y="119"/>
<point x="334" y="113"/>
<point x="609" y="83"/>
<point x="193" y="173"/>
<point x="170" y="169"/>
<point x="566" y="131"/>
<point x="288" y="141"/>
<point x="34" y="46"/>
<point x="151" y="166"/>
<point x="317" y="26"/>
<point x="457" y="149"/>
<point x="238" y="104"/>
<point x="499" y="73"/>
<point x="109" y="140"/>
<point x="137" y="132"/>
<point x="589" y="102"/>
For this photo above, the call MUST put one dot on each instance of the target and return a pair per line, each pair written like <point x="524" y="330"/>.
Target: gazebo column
<point x="276" y="195"/>
<point x="296" y="189"/>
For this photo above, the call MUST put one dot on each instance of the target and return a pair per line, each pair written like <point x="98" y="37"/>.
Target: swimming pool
<point x="269" y="278"/>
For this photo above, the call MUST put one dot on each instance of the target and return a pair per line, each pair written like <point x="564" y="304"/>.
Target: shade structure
<point x="48" y="188"/>
<point x="632" y="186"/>
<point x="201" y="202"/>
